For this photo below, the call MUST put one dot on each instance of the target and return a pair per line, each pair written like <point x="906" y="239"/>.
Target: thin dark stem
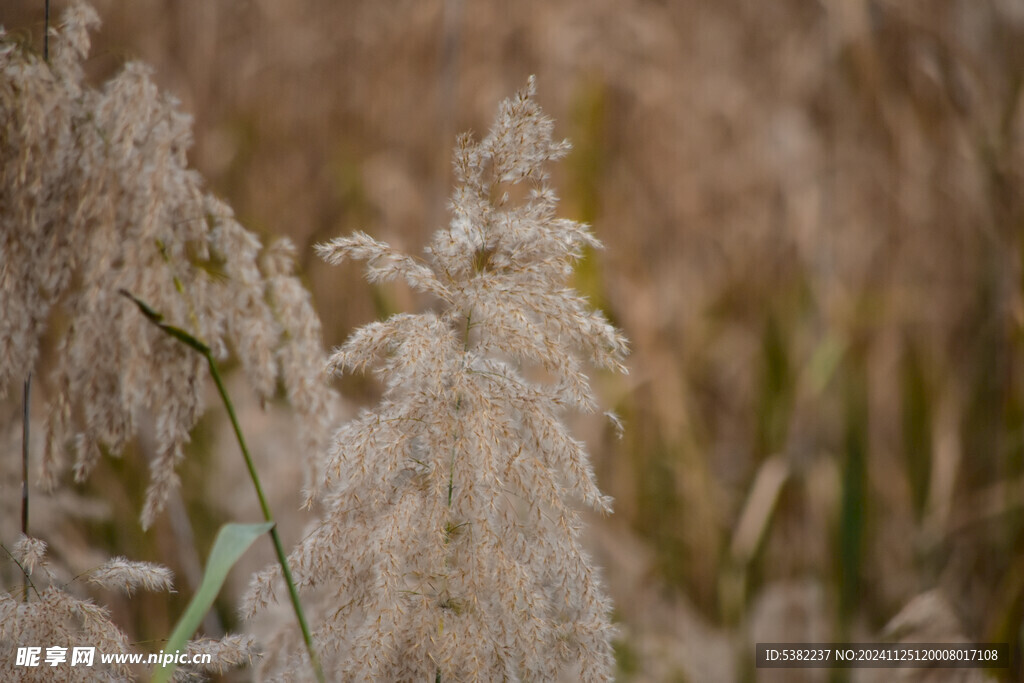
<point x="24" y="454"/>
<point x="28" y="577"/>
<point x="46" y="33"/>
<point x="27" y="397"/>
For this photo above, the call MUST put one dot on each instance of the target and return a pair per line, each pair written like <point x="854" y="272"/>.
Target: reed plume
<point x="49" y="615"/>
<point x="97" y="198"/>
<point x="449" y="548"/>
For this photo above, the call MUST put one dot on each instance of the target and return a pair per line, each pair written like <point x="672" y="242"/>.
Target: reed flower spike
<point x="96" y="197"/>
<point x="450" y="549"/>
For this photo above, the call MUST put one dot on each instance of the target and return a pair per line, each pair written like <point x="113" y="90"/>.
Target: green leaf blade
<point x="231" y="543"/>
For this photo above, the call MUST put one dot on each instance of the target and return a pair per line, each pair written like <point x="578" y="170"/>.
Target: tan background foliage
<point x="813" y="217"/>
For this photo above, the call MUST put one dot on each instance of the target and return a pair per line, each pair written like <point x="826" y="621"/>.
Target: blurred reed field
<point x="813" y="215"/>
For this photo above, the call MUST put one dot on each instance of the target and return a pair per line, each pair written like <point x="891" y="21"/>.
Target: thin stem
<point x="451" y="465"/>
<point x="282" y="558"/>
<point x="27" y="397"/>
<point x="451" y="478"/>
<point x="181" y="335"/>
<point x="28" y="578"/>
<point x="46" y="33"/>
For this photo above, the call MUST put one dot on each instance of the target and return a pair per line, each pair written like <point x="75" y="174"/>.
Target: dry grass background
<point x="813" y="214"/>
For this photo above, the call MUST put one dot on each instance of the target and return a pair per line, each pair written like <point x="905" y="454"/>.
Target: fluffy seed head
<point x="97" y="193"/>
<point x="450" y="545"/>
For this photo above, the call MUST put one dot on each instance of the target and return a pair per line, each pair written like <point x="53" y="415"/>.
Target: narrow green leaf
<point x="232" y="541"/>
<point x="183" y="336"/>
<point x="157" y="319"/>
<point x="143" y="306"/>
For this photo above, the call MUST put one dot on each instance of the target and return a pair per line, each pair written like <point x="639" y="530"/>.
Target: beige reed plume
<point x="449" y="550"/>
<point x="96" y="197"/>
<point x="56" y="621"/>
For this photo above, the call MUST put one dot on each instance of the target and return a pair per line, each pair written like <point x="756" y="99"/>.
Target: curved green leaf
<point x="232" y="541"/>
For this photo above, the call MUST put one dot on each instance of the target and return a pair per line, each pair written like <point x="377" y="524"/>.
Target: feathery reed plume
<point x="449" y="548"/>
<point x="54" y="618"/>
<point x="97" y="197"/>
